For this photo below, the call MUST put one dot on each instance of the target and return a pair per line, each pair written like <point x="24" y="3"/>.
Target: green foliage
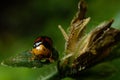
<point x="98" y="10"/>
<point x="22" y="60"/>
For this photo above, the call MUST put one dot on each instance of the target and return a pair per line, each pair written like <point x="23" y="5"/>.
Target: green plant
<point x="82" y="51"/>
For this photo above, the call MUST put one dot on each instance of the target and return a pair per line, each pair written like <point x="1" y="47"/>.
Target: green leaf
<point x="103" y="71"/>
<point x="24" y="60"/>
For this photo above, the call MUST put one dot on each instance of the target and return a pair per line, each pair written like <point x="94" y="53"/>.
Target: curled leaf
<point x="84" y="51"/>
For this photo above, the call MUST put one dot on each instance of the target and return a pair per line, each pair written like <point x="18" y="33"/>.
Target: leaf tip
<point x="3" y="63"/>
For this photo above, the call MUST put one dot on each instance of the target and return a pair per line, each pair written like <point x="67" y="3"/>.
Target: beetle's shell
<point x="43" y="48"/>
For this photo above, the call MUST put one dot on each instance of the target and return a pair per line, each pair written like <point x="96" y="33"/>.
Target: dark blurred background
<point x="21" y="21"/>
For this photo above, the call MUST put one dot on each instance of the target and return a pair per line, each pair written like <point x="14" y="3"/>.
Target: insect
<point x="43" y="49"/>
<point x="82" y="51"/>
